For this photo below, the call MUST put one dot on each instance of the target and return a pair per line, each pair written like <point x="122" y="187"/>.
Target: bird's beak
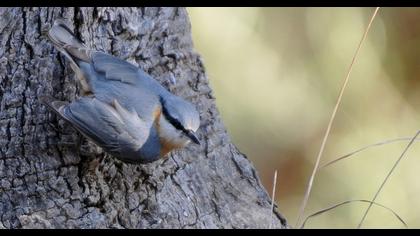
<point x="193" y="136"/>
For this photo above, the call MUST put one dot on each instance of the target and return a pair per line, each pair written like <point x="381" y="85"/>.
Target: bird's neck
<point x="170" y="138"/>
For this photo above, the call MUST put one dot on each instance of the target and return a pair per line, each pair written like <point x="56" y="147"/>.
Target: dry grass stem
<point x="327" y="132"/>
<point x="366" y="147"/>
<point x="387" y="177"/>
<point x="272" y="199"/>
<point x="351" y="201"/>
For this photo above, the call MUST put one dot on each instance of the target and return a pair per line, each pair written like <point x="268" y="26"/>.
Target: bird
<point x="121" y="108"/>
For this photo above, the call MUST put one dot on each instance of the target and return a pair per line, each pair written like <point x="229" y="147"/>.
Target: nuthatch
<point x="122" y="109"/>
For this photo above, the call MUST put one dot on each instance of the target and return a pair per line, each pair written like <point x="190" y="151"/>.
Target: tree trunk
<point x="47" y="181"/>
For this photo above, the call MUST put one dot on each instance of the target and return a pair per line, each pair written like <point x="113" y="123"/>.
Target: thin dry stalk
<point x="387" y="177"/>
<point x="364" y="148"/>
<point x="351" y="201"/>
<point x="272" y="199"/>
<point x="327" y="132"/>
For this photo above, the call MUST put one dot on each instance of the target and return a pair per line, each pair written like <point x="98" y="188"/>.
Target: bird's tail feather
<point x="75" y="50"/>
<point x="52" y="104"/>
<point x="66" y="42"/>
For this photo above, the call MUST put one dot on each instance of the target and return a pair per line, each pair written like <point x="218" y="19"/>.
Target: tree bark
<point x="46" y="181"/>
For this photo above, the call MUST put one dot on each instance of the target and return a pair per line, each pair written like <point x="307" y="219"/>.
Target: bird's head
<point x="182" y="116"/>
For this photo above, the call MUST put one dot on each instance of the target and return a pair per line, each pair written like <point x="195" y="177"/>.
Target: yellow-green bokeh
<point x="276" y="74"/>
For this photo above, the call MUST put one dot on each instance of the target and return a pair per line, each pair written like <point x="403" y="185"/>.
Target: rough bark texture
<point x="46" y="182"/>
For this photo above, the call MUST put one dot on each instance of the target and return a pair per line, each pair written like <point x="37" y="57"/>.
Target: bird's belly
<point x="168" y="145"/>
<point x="151" y="149"/>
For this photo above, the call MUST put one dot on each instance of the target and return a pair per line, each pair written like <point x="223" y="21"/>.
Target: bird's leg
<point x="53" y="127"/>
<point x="79" y="142"/>
<point x="61" y="143"/>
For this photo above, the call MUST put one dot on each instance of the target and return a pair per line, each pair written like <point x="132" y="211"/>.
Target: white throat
<point x="170" y="134"/>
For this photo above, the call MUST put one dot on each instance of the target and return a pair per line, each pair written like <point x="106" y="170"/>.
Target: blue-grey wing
<point x="112" y="78"/>
<point x="116" y="129"/>
<point x="116" y="69"/>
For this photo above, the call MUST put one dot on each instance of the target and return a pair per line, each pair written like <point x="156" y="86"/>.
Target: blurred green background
<point x="276" y="74"/>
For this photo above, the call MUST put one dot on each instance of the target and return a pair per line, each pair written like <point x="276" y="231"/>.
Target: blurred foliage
<point x="276" y="74"/>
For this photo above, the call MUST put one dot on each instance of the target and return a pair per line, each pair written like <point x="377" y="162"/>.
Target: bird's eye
<point x="175" y="122"/>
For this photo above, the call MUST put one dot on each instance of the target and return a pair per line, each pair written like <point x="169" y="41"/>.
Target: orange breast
<point x="166" y="145"/>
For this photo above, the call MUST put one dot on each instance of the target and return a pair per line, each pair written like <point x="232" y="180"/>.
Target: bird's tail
<point x="53" y="104"/>
<point x="67" y="43"/>
<point x="75" y="50"/>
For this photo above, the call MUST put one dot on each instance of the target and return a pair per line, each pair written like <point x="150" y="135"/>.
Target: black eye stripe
<point x="172" y="120"/>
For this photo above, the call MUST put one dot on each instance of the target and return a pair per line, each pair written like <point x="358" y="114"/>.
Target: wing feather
<point x="115" y="68"/>
<point x="111" y="126"/>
